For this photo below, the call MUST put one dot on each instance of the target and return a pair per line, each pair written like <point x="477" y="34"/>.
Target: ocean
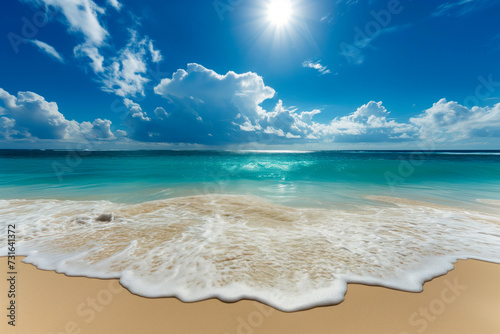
<point x="290" y="229"/>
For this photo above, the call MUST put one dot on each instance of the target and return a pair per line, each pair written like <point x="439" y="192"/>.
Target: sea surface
<point x="290" y="229"/>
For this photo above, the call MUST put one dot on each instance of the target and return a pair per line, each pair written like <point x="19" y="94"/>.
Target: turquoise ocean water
<point x="288" y="228"/>
<point x="306" y="178"/>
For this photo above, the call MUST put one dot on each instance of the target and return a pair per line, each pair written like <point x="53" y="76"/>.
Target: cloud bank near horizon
<point x="206" y="108"/>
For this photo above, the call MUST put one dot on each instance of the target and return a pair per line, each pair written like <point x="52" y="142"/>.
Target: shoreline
<point x="465" y="300"/>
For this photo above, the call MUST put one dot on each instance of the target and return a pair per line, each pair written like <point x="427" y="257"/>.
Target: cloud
<point x="115" y="4"/>
<point x="161" y="113"/>
<point x="207" y="108"/>
<point x="122" y="71"/>
<point x="90" y="51"/>
<point x="327" y="18"/>
<point x="98" y="129"/>
<point x="29" y="116"/>
<point x="204" y="107"/>
<point x="213" y="109"/>
<point x="450" y="122"/>
<point x="156" y="56"/>
<point x="369" y="123"/>
<point x="48" y="49"/>
<point x="461" y="7"/>
<point x="348" y="2"/>
<point x="287" y="122"/>
<point x="317" y="66"/>
<point x="126" y="73"/>
<point x="81" y="17"/>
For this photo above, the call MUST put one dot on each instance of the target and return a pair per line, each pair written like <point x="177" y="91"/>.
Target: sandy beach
<point x="466" y="300"/>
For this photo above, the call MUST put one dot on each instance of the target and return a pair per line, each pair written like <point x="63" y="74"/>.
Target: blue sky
<point x="245" y="74"/>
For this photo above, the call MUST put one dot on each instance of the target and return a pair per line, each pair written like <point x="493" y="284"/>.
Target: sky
<point x="250" y="74"/>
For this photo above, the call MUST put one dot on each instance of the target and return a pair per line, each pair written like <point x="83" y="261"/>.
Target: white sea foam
<point x="234" y="247"/>
<point x="489" y="201"/>
<point x="288" y="166"/>
<point x="270" y="151"/>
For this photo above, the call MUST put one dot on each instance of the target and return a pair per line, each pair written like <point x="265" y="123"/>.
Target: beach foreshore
<point x="466" y="300"/>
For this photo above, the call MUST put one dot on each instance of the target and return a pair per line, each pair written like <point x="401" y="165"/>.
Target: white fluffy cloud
<point x="205" y="107"/>
<point x="287" y="123"/>
<point x="29" y="116"/>
<point x="450" y="121"/>
<point x="368" y="123"/>
<point x="99" y="129"/>
<point x="231" y="93"/>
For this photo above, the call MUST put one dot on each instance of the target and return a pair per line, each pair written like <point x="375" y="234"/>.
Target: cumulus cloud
<point x="232" y="92"/>
<point x="98" y="129"/>
<point x="287" y="122"/>
<point x="369" y="123"/>
<point x="29" y="116"/>
<point x="450" y="121"/>
<point x="48" y="49"/>
<point x="204" y="107"/>
<point x="209" y="108"/>
<point x="316" y="66"/>
<point x="8" y="129"/>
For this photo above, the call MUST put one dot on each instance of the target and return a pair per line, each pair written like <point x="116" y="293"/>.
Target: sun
<point x="279" y="12"/>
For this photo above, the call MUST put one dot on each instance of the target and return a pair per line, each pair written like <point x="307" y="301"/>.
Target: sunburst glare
<point x="279" y="12"/>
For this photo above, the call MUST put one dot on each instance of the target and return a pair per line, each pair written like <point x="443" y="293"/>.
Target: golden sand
<point x="466" y="300"/>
